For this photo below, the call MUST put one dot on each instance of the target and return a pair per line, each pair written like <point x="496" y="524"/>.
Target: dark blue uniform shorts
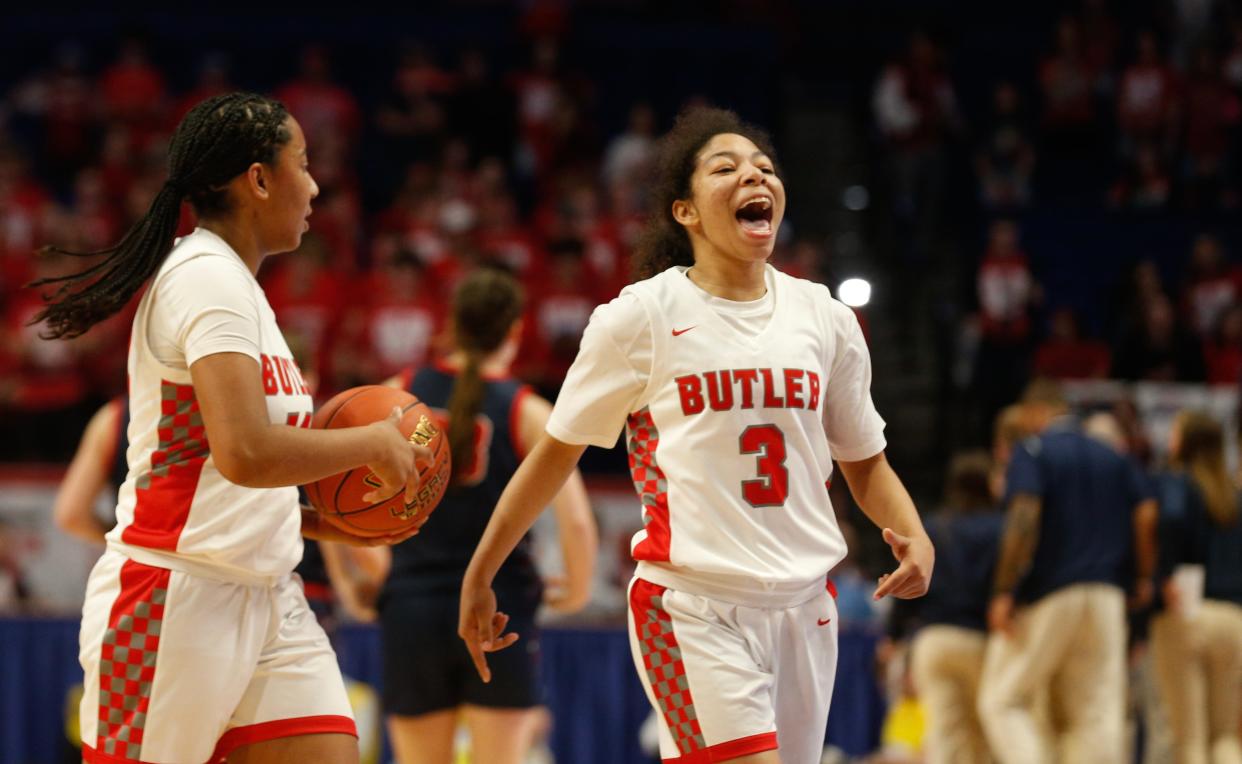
<point x="427" y="667"/>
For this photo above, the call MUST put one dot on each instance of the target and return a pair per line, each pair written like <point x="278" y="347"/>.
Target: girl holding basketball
<point x="737" y="386"/>
<point x="196" y="641"/>
<point x="493" y="420"/>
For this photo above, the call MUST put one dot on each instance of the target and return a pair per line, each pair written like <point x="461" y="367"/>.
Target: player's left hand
<point x="916" y="557"/>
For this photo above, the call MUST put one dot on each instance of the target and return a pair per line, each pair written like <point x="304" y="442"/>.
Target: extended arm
<point x="251" y="451"/>
<point x="579" y="538"/>
<point x="87" y="476"/>
<point x="537" y="480"/>
<point x="882" y="497"/>
<point x="1017" y="552"/>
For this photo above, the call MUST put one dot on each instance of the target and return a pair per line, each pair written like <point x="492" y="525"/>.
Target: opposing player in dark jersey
<point x="493" y="420"/>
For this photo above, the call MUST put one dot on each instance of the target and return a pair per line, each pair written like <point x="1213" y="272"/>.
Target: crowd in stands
<point x="1127" y="111"/>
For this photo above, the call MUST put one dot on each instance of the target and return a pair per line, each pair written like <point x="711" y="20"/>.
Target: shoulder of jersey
<point x="818" y="294"/>
<point x="195" y="246"/>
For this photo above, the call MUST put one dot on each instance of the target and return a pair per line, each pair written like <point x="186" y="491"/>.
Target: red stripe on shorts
<point x="166" y="490"/>
<point x="257" y="733"/>
<point x="665" y="670"/>
<point x="127" y="661"/>
<point x="731" y="749"/>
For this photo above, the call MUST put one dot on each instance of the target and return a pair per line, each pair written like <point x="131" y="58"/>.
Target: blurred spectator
<point x="560" y="309"/>
<point x="915" y="109"/>
<point x="43" y="393"/>
<point x="1146" y="98"/>
<point x="1145" y="183"/>
<point x="546" y="113"/>
<point x="1210" y="110"/>
<point x="1141" y="284"/>
<point x="1232" y="65"/>
<point x="1066" y="354"/>
<point x="504" y="239"/>
<point x="24" y="208"/>
<point x="61" y="104"/>
<point x="326" y="111"/>
<point x="391" y="325"/>
<point x="1159" y="349"/>
<point x="213" y="79"/>
<point x="481" y="110"/>
<point x="949" y="647"/>
<point x="1210" y="288"/>
<point x="133" y="93"/>
<point x="1006" y="159"/>
<point x="1223" y="350"/>
<point x="1006" y="292"/>
<point x="1066" y="84"/>
<point x="412" y="119"/>
<point x="1101" y="36"/>
<point x="1196" y="638"/>
<point x="306" y="296"/>
<point x="338" y="215"/>
<point x="628" y="156"/>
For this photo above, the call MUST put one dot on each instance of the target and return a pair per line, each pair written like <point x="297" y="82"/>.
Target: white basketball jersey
<point x="175" y="508"/>
<point x="729" y="438"/>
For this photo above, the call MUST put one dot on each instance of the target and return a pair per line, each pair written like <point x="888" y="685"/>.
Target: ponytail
<point x="218" y="139"/>
<point x="485" y="306"/>
<point x="464" y="405"/>
<point x="1202" y="455"/>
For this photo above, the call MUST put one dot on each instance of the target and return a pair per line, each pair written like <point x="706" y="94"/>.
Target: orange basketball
<point x="339" y="497"/>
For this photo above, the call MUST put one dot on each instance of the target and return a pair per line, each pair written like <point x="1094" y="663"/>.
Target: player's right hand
<point x="481" y="627"/>
<point x="396" y="468"/>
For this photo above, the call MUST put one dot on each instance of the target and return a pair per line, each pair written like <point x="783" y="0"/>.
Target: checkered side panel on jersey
<point x="166" y="487"/>
<point x="183" y="438"/>
<point x="665" y="670"/>
<point x="127" y="660"/>
<point x="642" y="440"/>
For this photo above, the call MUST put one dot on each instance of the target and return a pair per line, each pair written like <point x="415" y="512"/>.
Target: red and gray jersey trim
<point x="642" y="441"/>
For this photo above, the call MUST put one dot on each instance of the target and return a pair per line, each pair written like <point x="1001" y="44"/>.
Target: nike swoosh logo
<point x="679" y="332"/>
<point x="823" y="621"/>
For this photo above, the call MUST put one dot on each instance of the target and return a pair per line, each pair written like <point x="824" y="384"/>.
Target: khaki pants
<point x="1199" y="672"/>
<point x="947" y="663"/>
<point x="1071" y="645"/>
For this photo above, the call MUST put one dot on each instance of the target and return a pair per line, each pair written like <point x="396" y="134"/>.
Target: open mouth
<point x="755" y="216"/>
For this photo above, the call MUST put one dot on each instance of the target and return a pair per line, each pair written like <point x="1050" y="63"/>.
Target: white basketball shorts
<point x="729" y="680"/>
<point x="183" y="668"/>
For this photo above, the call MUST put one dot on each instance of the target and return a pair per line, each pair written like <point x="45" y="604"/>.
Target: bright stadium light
<point x="854" y="292"/>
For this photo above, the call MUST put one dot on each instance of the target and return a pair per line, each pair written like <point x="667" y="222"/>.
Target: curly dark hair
<point x="664" y="242"/>
<point x="215" y="142"/>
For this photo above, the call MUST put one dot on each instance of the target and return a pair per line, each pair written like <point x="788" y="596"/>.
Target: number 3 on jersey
<point x="772" y="486"/>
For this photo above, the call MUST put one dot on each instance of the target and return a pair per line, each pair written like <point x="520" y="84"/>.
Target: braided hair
<point x="664" y="242"/>
<point x="215" y="142"/>
<point x="485" y="306"/>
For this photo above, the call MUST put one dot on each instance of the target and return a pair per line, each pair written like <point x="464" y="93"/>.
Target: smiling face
<point x="290" y="190"/>
<point x="736" y="201"/>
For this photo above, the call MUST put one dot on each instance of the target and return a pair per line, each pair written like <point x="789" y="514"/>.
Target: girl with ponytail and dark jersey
<point x="1197" y="649"/>
<point x="196" y="641"/>
<point x="493" y="422"/>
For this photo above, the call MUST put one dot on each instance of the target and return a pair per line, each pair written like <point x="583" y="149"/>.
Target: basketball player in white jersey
<point x="737" y="386"/>
<point x="197" y="642"/>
